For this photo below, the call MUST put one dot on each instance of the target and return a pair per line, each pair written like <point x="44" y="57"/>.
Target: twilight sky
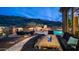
<point x="47" y="13"/>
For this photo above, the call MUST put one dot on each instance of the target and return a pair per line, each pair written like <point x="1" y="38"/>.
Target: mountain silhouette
<point x="23" y="21"/>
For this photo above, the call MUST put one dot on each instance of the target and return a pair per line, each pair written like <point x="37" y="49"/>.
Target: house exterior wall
<point x="65" y="21"/>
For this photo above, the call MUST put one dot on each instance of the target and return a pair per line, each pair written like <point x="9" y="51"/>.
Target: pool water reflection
<point x="58" y="32"/>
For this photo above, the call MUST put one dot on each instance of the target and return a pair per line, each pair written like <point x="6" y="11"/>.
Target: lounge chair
<point x="63" y="41"/>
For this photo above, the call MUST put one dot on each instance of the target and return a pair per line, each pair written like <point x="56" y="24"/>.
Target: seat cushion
<point x="72" y="41"/>
<point x="66" y="36"/>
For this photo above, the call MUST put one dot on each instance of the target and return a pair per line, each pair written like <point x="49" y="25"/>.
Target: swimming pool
<point x="58" y="32"/>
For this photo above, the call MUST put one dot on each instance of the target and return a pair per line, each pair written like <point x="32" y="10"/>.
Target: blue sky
<point x="47" y="13"/>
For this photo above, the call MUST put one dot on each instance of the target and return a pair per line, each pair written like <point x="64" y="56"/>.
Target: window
<point x="70" y="20"/>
